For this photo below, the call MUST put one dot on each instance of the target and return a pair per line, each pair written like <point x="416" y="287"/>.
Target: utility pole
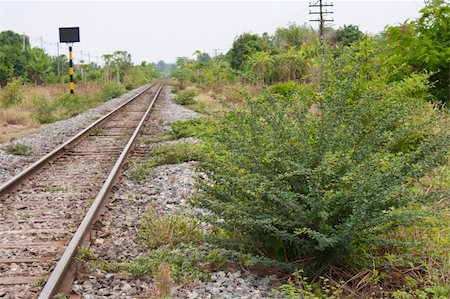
<point x="322" y="17"/>
<point x="215" y="52"/>
<point x="57" y="58"/>
<point x="42" y="42"/>
<point x="23" y="42"/>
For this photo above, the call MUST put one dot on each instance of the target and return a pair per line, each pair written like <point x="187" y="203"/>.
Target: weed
<point x="163" y="282"/>
<point x="175" y="154"/>
<point x="168" y="230"/>
<point x="134" y="196"/>
<point x="60" y="296"/>
<point x="25" y="216"/>
<point x="216" y="260"/>
<point x="139" y="173"/>
<point x="196" y="127"/>
<point x="186" y="97"/>
<point x="112" y="90"/>
<point x="11" y="94"/>
<point x="55" y="189"/>
<point x="44" y="109"/>
<point x="159" y="137"/>
<point x="85" y="254"/>
<point x="19" y="149"/>
<point x="40" y="282"/>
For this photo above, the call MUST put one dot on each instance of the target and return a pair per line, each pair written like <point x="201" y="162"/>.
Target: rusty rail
<point x="26" y="173"/>
<point x="62" y="276"/>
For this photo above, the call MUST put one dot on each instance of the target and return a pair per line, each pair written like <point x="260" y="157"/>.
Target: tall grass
<point x="25" y="107"/>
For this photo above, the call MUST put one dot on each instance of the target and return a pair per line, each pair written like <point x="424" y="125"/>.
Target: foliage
<point x="13" y="59"/>
<point x="175" y="153"/>
<point x="186" y="97"/>
<point x="157" y="230"/>
<point x="299" y="286"/>
<point x="313" y="177"/>
<point x="139" y="173"/>
<point x="12" y="93"/>
<point x="39" y="65"/>
<point x="245" y="46"/>
<point x="348" y="34"/>
<point x="294" y="36"/>
<point x="19" y="149"/>
<point x="196" y="127"/>
<point x="424" y="45"/>
<point x="112" y="90"/>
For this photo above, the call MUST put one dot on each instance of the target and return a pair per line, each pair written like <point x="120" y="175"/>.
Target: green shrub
<point x="175" y="154"/>
<point x="139" y="172"/>
<point x="285" y="89"/>
<point x="196" y="127"/>
<point x="186" y="96"/>
<point x="315" y="177"/>
<point x="158" y="230"/>
<point x="112" y="90"/>
<point x="11" y="94"/>
<point x="44" y="109"/>
<point x="129" y="86"/>
<point x="72" y="105"/>
<point x="19" y="149"/>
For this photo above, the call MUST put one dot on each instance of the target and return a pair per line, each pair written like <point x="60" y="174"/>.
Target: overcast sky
<point x="157" y="30"/>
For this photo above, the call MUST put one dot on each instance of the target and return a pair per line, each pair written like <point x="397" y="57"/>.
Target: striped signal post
<point x="71" y="84"/>
<point x="70" y="35"/>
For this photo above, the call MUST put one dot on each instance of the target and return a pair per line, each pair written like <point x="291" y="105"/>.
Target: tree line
<point x="18" y="59"/>
<point x="293" y="53"/>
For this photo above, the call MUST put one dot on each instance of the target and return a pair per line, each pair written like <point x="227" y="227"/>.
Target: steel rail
<point x="19" y="178"/>
<point x="58" y="279"/>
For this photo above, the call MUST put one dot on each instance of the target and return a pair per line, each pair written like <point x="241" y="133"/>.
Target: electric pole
<point x="58" y="58"/>
<point x="322" y="17"/>
<point x="215" y="52"/>
<point x="42" y="42"/>
<point x="23" y="42"/>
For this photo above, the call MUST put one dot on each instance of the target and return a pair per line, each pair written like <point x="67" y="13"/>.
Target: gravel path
<point x="166" y="189"/>
<point x="54" y="134"/>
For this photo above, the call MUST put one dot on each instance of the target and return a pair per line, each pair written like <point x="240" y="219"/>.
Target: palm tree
<point x="39" y="65"/>
<point x="107" y="58"/>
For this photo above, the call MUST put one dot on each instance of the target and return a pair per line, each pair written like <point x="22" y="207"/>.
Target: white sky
<point x="157" y="30"/>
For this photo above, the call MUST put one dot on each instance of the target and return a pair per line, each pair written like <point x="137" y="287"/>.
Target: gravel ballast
<point x="52" y="135"/>
<point x="166" y="189"/>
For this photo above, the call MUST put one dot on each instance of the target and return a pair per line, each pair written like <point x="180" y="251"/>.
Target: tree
<point x="107" y="58"/>
<point x="294" y="36"/>
<point x="122" y="62"/>
<point x="15" y="59"/>
<point x="424" y="44"/>
<point x="39" y="65"/>
<point x="244" y="46"/>
<point x="348" y="34"/>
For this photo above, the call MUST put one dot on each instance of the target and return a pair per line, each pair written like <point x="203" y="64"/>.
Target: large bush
<point x="112" y="90"/>
<point x="314" y="174"/>
<point x="12" y="93"/>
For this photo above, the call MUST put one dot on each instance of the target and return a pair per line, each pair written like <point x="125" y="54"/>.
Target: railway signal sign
<point x="70" y="35"/>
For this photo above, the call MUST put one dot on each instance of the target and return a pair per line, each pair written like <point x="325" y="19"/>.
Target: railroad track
<point x="47" y="211"/>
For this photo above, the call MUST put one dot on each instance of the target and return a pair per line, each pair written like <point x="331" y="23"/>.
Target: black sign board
<point x="69" y="35"/>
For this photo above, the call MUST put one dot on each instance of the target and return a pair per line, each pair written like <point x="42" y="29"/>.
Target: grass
<point x="195" y="127"/>
<point x="166" y="154"/>
<point x="175" y="154"/>
<point x="163" y="282"/>
<point x="26" y="107"/>
<point x="139" y="172"/>
<point x="158" y="230"/>
<point x="55" y="189"/>
<point x="40" y="282"/>
<point x="19" y="149"/>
